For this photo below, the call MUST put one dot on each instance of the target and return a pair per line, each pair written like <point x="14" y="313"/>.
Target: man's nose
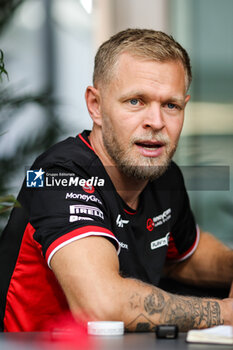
<point x="154" y="118"/>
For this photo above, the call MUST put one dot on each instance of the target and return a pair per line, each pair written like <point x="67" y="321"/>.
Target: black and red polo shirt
<point x="59" y="213"/>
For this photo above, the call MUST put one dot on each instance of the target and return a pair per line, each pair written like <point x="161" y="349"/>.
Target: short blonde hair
<point x="144" y="43"/>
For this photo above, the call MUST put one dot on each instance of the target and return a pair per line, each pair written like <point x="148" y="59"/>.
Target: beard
<point x="137" y="166"/>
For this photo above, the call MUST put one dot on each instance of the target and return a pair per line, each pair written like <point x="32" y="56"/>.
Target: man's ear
<point x="187" y="98"/>
<point x="92" y="97"/>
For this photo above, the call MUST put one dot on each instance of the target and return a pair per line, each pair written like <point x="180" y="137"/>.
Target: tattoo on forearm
<point x="190" y="313"/>
<point x="135" y="301"/>
<point x="186" y="312"/>
<point x="154" y="303"/>
<point x="141" y="324"/>
<point x="143" y="327"/>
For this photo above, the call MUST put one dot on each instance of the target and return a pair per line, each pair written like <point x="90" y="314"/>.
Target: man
<point x="59" y="250"/>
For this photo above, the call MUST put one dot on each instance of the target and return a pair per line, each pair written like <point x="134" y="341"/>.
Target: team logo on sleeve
<point x="35" y="178"/>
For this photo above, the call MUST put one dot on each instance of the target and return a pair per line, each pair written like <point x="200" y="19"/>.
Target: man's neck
<point x="128" y="188"/>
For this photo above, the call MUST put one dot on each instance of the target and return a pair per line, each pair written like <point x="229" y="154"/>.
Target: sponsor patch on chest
<point x="120" y="222"/>
<point x="162" y="218"/>
<point x="158" y="243"/>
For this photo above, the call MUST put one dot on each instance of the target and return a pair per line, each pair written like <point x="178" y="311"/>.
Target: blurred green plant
<point x="12" y="102"/>
<point x="2" y="65"/>
<point x="7" y="202"/>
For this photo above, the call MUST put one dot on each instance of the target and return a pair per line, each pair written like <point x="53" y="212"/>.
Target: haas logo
<point x="88" y="188"/>
<point x="150" y="224"/>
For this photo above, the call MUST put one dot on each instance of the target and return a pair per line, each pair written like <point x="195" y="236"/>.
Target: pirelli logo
<point x="86" y="209"/>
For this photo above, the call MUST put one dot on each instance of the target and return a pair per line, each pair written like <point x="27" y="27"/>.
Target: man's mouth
<point x="150" y="144"/>
<point x="151" y="149"/>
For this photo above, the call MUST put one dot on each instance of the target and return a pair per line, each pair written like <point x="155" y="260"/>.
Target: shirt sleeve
<point x="185" y="233"/>
<point x="63" y="215"/>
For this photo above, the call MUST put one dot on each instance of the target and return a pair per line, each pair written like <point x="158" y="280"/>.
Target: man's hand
<point x="227" y="310"/>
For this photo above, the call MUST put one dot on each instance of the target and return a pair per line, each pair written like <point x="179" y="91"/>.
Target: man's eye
<point x="134" y="101"/>
<point x="171" y="105"/>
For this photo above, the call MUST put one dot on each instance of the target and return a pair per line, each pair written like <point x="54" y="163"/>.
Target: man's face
<point x="142" y="112"/>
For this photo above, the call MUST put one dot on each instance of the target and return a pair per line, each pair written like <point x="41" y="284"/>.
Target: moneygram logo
<point x="83" y="197"/>
<point x="162" y="218"/>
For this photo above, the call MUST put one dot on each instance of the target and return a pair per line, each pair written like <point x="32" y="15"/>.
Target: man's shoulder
<point x="66" y="153"/>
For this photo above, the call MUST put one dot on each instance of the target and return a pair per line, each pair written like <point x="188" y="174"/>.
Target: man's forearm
<point x="144" y="311"/>
<point x="98" y="290"/>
